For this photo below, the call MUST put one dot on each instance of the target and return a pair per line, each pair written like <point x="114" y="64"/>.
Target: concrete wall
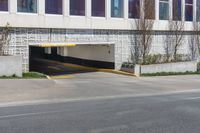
<point x="90" y="52"/>
<point x="22" y="38"/>
<point x="167" y="67"/>
<point x="10" y="65"/>
<point x="42" y="20"/>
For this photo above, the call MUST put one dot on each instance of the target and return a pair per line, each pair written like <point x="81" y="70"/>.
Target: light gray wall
<point x="167" y="67"/>
<point x="10" y="65"/>
<point x="21" y="38"/>
<point x="92" y="52"/>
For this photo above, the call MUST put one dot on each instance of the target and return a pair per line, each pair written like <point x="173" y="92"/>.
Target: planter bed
<point x="178" y="67"/>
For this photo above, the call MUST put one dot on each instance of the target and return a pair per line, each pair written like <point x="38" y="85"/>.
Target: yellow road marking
<point x="55" y="68"/>
<point x="62" y="77"/>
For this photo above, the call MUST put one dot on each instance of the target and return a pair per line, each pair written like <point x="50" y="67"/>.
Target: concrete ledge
<point x="190" y="66"/>
<point x="11" y="65"/>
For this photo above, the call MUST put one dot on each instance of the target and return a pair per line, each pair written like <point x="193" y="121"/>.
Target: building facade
<point x="97" y="30"/>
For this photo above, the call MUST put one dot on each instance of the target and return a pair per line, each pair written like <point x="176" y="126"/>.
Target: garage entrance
<point x="99" y="56"/>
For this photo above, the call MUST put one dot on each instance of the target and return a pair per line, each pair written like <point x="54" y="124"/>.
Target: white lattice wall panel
<point x="21" y="38"/>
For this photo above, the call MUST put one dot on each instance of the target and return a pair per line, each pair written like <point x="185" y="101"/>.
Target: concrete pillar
<point x="13" y="6"/>
<point x="170" y="9"/>
<point x="88" y="7"/>
<point x="65" y="51"/>
<point x="194" y="10"/>
<point x="108" y="9"/>
<point x="183" y="10"/>
<point x="156" y="9"/>
<point x="142" y="15"/>
<point x="41" y="7"/>
<point x="126" y="11"/>
<point x="66" y="8"/>
<point x="47" y="50"/>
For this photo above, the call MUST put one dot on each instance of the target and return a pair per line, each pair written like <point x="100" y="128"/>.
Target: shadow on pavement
<point x="54" y="69"/>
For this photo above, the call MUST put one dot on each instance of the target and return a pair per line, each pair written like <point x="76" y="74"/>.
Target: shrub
<point x="159" y="59"/>
<point x="198" y="66"/>
<point x="33" y="75"/>
<point x="170" y="73"/>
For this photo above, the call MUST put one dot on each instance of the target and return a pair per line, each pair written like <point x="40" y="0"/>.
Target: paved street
<point x="97" y="102"/>
<point x="178" y="113"/>
<point x="52" y="68"/>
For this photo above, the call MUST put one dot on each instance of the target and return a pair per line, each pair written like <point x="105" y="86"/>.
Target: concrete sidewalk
<point x="94" y="85"/>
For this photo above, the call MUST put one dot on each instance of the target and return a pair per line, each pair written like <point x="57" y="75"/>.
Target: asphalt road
<point x="53" y="69"/>
<point x="176" y="113"/>
<point x="96" y="102"/>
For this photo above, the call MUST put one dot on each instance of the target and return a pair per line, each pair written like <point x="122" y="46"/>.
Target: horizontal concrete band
<point x="56" y="45"/>
<point x="70" y="44"/>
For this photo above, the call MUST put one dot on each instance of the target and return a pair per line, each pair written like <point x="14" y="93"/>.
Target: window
<point x="198" y="10"/>
<point x="188" y="10"/>
<point x="164" y="9"/>
<point x="77" y="7"/>
<point x="98" y="8"/>
<point x="3" y="5"/>
<point x="149" y="9"/>
<point x="53" y="6"/>
<point x="117" y="8"/>
<point x="27" y="6"/>
<point x="134" y="9"/>
<point x="177" y="10"/>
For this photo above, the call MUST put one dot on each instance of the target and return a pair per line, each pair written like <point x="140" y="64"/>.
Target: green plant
<point x="198" y="66"/>
<point x="33" y="75"/>
<point x="29" y="75"/>
<point x="170" y="73"/>
<point x="160" y="58"/>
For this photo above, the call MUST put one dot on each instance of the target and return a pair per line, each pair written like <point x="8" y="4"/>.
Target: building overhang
<point x="71" y="44"/>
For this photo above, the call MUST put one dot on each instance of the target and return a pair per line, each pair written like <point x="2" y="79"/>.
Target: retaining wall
<point x="11" y="65"/>
<point x="190" y="66"/>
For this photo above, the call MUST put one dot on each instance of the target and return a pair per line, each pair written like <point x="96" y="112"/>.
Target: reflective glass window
<point x="53" y="6"/>
<point x="117" y="8"/>
<point x="98" y="8"/>
<point x="177" y="10"/>
<point x="3" y="5"/>
<point x="77" y="7"/>
<point x="27" y="6"/>
<point x="164" y="9"/>
<point x="188" y="10"/>
<point x="198" y="10"/>
<point x="149" y="9"/>
<point x="134" y="9"/>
